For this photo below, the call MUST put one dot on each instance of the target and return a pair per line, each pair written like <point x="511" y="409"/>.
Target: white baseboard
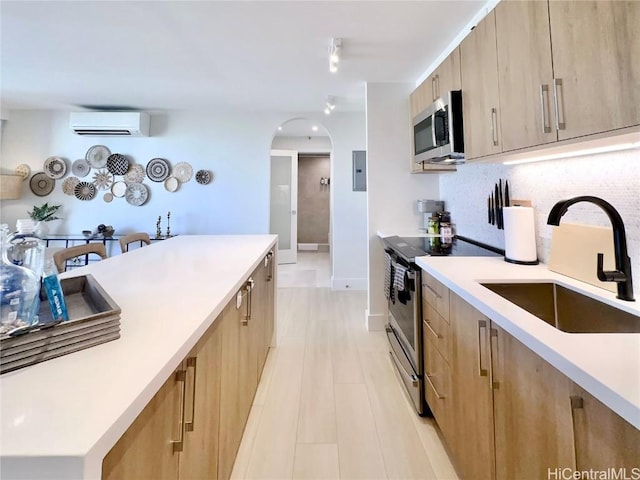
<point x="375" y="322"/>
<point x="348" y="283"/>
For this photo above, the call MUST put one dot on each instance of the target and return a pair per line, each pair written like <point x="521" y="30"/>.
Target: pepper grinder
<point x="168" y="226"/>
<point x="158" y="230"/>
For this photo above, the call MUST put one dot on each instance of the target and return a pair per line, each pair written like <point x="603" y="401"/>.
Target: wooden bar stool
<point x="60" y="257"/>
<point x="141" y="237"/>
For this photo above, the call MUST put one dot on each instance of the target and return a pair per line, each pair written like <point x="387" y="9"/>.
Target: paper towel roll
<point x="519" y="235"/>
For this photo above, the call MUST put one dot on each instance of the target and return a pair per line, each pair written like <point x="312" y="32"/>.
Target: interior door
<point x="284" y="203"/>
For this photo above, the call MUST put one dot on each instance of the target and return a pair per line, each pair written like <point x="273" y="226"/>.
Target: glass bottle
<point x="26" y="249"/>
<point x="19" y="291"/>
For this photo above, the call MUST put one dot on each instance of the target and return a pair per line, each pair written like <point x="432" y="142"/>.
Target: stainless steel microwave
<point x="438" y="135"/>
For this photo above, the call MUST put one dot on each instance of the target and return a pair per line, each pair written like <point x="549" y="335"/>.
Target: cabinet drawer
<point x="436" y="295"/>
<point x="436" y="329"/>
<point x="437" y="386"/>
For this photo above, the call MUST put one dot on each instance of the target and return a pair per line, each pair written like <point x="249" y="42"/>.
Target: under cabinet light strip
<point x="576" y="153"/>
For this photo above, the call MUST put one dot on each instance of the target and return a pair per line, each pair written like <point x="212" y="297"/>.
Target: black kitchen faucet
<point x="622" y="274"/>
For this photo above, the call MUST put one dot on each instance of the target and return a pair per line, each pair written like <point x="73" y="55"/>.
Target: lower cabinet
<point x="192" y="427"/>
<point x="509" y="414"/>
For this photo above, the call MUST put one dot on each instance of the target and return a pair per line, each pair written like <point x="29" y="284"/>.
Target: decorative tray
<point x="94" y="318"/>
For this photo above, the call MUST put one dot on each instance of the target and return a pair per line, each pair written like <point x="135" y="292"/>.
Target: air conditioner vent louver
<point x="110" y="124"/>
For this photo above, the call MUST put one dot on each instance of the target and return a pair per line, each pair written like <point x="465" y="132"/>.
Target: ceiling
<point x="203" y="55"/>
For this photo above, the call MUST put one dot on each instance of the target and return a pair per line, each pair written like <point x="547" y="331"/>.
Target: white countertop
<point x="60" y="418"/>
<point x="605" y="365"/>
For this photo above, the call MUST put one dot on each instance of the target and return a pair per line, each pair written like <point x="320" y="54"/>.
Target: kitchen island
<point x="607" y="365"/>
<point x="61" y="417"/>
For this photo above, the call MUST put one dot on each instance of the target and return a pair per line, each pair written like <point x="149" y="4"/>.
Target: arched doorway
<point x="300" y="209"/>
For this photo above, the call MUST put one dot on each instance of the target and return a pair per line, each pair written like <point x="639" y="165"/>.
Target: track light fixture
<point x="335" y="50"/>
<point x="329" y="105"/>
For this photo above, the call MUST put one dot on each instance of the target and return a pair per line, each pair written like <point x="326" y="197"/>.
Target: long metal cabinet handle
<point x="493" y="334"/>
<point x="481" y="324"/>
<point x="433" y="89"/>
<point x="433" y="332"/>
<point x="544" y="107"/>
<point x="269" y="264"/>
<point x="576" y="403"/>
<point x="250" y="284"/>
<point x="558" y="103"/>
<point x="190" y="424"/>
<point x="181" y="376"/>
<point x="432" y="290"/>
<point x="437" y="88"/>
<point x="438" y="395"/>
<point x="494" y="126"/>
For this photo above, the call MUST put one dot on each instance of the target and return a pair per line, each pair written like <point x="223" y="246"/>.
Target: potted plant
<point x="43" y="214"/>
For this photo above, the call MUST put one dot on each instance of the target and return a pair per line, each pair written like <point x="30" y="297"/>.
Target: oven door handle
<point x="412" y="378"/>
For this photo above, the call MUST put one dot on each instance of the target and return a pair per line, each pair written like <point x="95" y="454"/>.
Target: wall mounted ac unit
<point x="103" y="124"/>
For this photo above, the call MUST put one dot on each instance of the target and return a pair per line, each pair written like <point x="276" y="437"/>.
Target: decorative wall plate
<point x="41" y="185"/>
<point x="135" y="174"/>
<point x="23" y="170"/>
<point x="108" y="197"/>
<point x="183" y="171"/>
<point x="117" y="164"/>
<point x="136" y="194"/>
<point x="119" y="189"/>
<point x="102" y="180"/>
<point x="158" y="169"/>
<point x="55" y="167"/>
<point x="171" y="184"/>
<point x="80" y="168"/>
<point x="85" y="191"/>
<point x="69" y="185"/>
<point x="203" y="177"/>
<point x="97" y="156"/>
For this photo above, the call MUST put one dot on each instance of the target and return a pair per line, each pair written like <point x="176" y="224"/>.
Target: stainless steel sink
<point x="566" y="309"/>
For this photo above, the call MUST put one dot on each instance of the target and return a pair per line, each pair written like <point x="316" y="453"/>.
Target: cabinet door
<point x="603" y="439"/>
<point x="472" y="443"/>
<point x="238" y="382"/>
<point x="420" y="98"/>
<point x="447" y="76"/>
<point x="199" y="459"/>
<point x="270" y="300"/>
<point x="595" y="57"/>
<point x="480" y="98"/>
<point x="437" y="387"/>
<point x="531" y="411"/>
<point x="146" y="448"/>
<point x="525" y="74"/>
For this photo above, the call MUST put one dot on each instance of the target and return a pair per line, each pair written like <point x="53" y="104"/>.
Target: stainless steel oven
<point x="404" y="329"/>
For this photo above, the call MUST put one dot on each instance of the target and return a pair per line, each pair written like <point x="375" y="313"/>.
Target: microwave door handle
<point x="433" y="128"/>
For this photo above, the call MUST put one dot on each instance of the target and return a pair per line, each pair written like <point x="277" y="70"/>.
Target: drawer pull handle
<point x="190" y="425"/>
<point x="181" y="376"/>
<point x="577" y="403"/>
<point x="544" y="107"/>
<point x="558" y="103"/>
<point x="482" y="324"/>
<point x="438" y="396"/>
<point x="432" y="290"/>
<point x="433" y="332"/>
<point x="494" y="126"/>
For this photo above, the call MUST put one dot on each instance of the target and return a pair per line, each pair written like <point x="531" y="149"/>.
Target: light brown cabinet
<point x="506" y="413"/>
<point x="535" y="73"/>
<point x="167" y="439"/>
<point x="480" y="96"/>
<point x="193" y="426"/>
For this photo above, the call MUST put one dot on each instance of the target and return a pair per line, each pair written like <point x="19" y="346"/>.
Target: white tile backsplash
<point x="614" y="177"/>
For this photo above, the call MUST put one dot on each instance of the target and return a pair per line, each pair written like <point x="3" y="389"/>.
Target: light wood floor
<point x="329" y="404"/>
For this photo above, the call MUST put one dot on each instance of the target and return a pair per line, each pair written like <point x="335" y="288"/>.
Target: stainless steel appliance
<point x="403" y="284"/>
<point x="438" y="135"/>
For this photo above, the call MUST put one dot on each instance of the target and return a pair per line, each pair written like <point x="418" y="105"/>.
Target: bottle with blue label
<point x="19" y="291"/>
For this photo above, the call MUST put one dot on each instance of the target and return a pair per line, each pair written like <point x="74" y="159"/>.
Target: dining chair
<point x="61" y="257"/>
<point x="141" y="237"/>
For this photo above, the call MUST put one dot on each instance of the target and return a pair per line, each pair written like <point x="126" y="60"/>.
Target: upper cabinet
<point x="596" y="47"/>
<point x="480" y="98"/>
<point x="535" y="73"/>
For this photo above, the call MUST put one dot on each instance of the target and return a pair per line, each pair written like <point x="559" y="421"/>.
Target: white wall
<point x="234" y="146"/>
<point x="303" y="144"/>
<point x="614" y="177"/>
<point x="392" y="190"/>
